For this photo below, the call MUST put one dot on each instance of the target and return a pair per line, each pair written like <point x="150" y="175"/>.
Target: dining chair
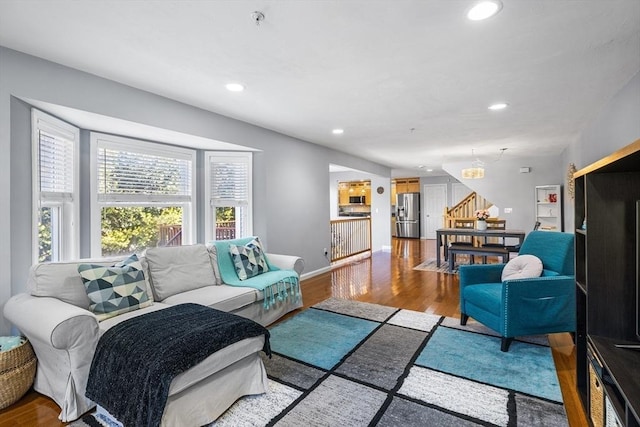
<point x="467" y="224"/>
<point x="494" y="242"/>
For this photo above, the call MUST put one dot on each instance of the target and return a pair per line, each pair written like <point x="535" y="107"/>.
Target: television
<point x="637" y="314"/>
<point x="638" y="269"/>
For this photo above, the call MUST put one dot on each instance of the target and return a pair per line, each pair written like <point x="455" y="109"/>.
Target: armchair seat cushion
<point x="486" y="296"/>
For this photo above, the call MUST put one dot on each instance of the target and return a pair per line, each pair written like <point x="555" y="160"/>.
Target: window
<point x="55" y="169"/>
<point x="228" y="190"/>
<point x="143" y="195"/>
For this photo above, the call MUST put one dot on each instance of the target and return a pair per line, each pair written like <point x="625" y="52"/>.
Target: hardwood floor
<point x="385" y="278"/>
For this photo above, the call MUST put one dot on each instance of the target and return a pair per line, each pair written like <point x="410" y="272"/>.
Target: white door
<point x="435" y="201"/>
<point x="460" y="191"/>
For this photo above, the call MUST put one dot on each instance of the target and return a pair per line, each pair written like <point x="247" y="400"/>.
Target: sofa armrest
<point x="287" y="262"/>
<point x="480" y="273"/>
<point x="49" y="320"/>
<point x="551" y="300"/>
<point x="64" y="338"/>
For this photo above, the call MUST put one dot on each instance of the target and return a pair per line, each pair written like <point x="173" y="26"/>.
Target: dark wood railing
<point x="171" y="235"/>
<point x="225" y="230"/>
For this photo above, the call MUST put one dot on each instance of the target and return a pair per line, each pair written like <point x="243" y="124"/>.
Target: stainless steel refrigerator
<point x="408" y="215"/>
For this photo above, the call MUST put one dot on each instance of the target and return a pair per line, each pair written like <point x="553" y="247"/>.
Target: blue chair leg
<point x="506" y="342"/>
<point x="463" y="319"/>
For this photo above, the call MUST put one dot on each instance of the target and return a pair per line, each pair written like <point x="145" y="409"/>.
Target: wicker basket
<point x="17" y="370"/>
<point x="596" y="399"/>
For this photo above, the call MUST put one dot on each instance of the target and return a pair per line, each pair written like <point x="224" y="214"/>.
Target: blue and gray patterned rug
<point x="347" y="363"/>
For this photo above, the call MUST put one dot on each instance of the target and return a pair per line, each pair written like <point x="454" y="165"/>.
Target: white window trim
<point x="189" y="227"/>
<point x="69" y="238"/>
<point x="209" y="219"/>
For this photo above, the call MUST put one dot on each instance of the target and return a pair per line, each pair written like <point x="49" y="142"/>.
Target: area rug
<point x="430" y="265"/>
<point x="406" y="368"/>
<point x="350" y="363"/>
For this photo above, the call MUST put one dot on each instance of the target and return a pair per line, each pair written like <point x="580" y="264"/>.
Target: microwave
<point x="357" y="200"/>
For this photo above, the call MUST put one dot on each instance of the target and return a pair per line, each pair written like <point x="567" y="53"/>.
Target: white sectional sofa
<point x="54" y="315"/>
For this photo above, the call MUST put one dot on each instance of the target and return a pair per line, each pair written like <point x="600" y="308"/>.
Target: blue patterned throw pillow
<point x="249" y="259"/>
<point x="115" y="289"/>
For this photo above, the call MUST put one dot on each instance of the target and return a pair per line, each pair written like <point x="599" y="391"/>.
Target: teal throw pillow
<point x="115" y="289"/>
<point x="249" y="259"/>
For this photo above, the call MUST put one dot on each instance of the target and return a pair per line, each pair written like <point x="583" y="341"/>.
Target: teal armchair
<point x="539" y="305"/>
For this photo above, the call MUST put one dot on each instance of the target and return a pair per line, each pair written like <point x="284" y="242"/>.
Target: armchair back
<point x="555" y="250"/>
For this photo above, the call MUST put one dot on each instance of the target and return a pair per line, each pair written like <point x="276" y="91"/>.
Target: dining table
<point x="443" y="235"/>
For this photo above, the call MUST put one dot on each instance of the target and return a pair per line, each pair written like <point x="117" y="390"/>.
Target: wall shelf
<point x="549" y="207"/>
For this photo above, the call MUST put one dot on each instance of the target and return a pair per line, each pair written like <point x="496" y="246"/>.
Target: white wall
<point x="291" y="176"/>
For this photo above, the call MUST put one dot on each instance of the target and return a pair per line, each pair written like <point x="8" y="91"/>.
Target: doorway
<point x="435" y="202"/>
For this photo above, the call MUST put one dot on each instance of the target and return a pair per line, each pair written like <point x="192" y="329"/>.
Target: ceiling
<point x="408" y="81"/>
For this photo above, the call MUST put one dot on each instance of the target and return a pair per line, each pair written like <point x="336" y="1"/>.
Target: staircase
<point x="465" y="209"/>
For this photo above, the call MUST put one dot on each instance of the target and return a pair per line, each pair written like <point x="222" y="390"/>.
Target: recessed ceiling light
<point x="484" y="9"/>
<point x="498" y="106"/>
<point x="337" y="131"/>
<point x="429" y="170"/>
<point x="234" y="87"/>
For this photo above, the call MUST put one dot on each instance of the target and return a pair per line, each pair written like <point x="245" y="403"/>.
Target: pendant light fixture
<point x="476" y="171"/>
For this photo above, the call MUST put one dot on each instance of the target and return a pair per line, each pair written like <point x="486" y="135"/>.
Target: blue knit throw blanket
<point x="136" y="360"/>
<point x="277" y="284"/>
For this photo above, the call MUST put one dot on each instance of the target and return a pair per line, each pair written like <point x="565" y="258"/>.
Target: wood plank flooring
<point x="385" y="278"/>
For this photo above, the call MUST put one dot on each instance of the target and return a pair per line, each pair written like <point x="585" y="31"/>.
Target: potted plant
<point x="481" y="219"/>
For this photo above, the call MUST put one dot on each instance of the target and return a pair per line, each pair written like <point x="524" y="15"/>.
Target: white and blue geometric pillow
<point x="249" y="259"/>
<point x="116" y="289"/>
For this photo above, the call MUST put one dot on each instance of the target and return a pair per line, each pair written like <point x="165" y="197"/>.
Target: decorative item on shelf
<point x="553" y="198"/>
<point x="584" y="224"/>
<point x="570" y="183"/>
<point x="481" y="217"/>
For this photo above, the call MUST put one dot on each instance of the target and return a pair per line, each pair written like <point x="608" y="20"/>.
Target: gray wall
<point x="291" y="177"/>
<point x="616" y="126"/>
<point x="380" y="205"/>
<point x="506" y="187"/>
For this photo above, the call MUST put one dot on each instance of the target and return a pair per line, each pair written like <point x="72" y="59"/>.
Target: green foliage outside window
<point x="44" y="235"/>
<point x="133" y="229"/>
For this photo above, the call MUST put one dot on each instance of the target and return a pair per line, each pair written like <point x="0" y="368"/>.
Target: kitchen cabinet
<point x="354" y="188"/>
<point x="549" y="207"/>
<point x="343" y="193"/>
<point x="404" y="185"/>
<point x="407" y="185"/>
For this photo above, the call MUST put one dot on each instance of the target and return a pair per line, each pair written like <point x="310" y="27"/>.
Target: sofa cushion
<point x="177" y="269"/>
<point x="61" y="280"/>
<point x="213" y="254"/>
<point x="249" y="259"/>
<point x="112" y="321"/>
<point x="115" y="289"/>
<point x="522" y="267"/>
<point x="224" y="297"/>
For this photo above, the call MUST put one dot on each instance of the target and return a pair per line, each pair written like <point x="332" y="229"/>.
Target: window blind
<point x="229" y="181"/>
<point x="55" y="163"/>
<point x="130" y="172"/>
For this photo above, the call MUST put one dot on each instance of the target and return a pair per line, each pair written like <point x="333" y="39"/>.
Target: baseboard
<point x="314" y="273"/>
